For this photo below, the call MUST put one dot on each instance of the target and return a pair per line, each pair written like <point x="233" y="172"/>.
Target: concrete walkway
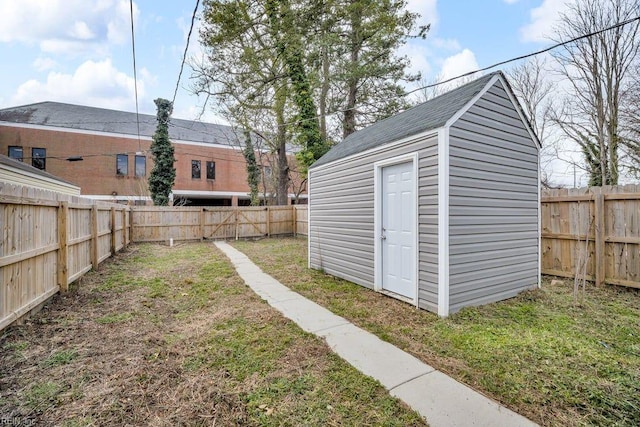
<point x="441" y="400"/>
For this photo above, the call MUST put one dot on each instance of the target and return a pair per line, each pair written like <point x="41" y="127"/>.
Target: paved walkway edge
<point x="440" y="399"/>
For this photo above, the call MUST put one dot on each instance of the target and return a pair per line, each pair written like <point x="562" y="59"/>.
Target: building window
<point x="15" y="152"/>
<point x="266" y="171"/>
<point x="211" y="170"/>
<point x="122" y="164"/>
<point x="141" y="166"/>
<point x="195" y="169"/>
<point x="39" y="158"/>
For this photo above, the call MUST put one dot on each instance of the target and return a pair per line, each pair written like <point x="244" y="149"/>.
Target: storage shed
<point x="438" y="205"/>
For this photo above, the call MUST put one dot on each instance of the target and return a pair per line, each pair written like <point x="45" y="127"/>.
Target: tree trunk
<point x="282" y="185"/>
<point x="349" y="125"/>
<point x="324" y="91"/>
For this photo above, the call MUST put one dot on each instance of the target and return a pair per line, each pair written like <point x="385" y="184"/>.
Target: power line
<point x="497" y="64"/>
<point x="547" y="49"/>
<point x="186" y="48"/>
<point x="135" y="73"/>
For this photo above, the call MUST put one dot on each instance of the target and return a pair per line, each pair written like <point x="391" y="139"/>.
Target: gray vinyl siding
<point x="493" y="203"/>
<point x="428" y="227"/>
<point x="341" y="215"/>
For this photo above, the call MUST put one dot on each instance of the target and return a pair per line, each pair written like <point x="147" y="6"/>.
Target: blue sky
<point x="79" y="51"/>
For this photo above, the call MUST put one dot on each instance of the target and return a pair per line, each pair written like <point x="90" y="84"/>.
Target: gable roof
<point x="83" y="118"/>
<point x="430" y="115"/>
<point x="24" y="167"/>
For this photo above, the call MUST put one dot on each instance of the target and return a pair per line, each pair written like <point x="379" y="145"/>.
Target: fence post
<point x="201" y="224"/>
<point x="94" y="236"/>
<point x="130" y="224"/>
<point x="113" y="231"/>
<point x="124" y="228"/>
<point x="268" y="221"/>
<point x="237" y="225"/>
<point x="600" y="239"/>
<point x="63" y="254"/>
<point x="295" y="219"/>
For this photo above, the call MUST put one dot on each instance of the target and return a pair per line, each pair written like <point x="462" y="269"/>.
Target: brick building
<point x="106" y="153"/>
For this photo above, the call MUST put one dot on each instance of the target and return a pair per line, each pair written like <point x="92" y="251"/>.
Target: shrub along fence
<point x="592" y="233"/>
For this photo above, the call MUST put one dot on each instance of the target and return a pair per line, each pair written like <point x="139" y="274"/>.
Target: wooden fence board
<point x="152" y="224"/>
<point x="608" y="217"/>
<point x="46" y="244"/>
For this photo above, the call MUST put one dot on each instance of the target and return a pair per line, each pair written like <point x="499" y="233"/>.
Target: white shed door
<point x="398" y="222"/>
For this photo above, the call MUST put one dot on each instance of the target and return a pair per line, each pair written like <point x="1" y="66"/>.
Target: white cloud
<point x="418" y="54"/>
<point x="458" y="64"/>
<point x="81" y="31"/>
<point x="44" y="64"/>
<point x="446" y="44"/>
<point x="67" y="26"/>
<point x="542" y="20"/>
<point x="97" y="84"/>
<point x="427" y="9"/>
<point x="511" y="1"/>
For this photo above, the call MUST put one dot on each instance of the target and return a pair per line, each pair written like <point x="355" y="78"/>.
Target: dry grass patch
<point x="172" y="336"/>
<point x="554" y="361"/>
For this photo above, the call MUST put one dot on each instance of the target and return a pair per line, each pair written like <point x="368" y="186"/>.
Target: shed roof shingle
<point x="429" y="115"/>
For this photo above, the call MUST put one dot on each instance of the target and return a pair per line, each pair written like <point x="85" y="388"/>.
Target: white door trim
<point x="377" y="224"/>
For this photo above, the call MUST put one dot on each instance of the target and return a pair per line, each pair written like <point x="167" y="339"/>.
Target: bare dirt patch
<point x="172" y="336"/>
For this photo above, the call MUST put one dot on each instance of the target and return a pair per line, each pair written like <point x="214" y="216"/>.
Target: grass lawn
<point x="556" y="362"/>
<point x="172" y="336"/>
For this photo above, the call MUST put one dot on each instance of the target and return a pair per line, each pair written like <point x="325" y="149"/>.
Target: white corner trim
<point x="469" y="104"/>
<point x="539" y="226"/>
<point x="377" y="217"/>
<point x="309" y="221"/>
<point x="443" y="222"/>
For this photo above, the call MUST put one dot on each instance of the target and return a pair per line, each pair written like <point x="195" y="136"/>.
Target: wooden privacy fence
<point x="160" y="224"/>
<point x="49" y="240"/>
<point x="592" y="233"/>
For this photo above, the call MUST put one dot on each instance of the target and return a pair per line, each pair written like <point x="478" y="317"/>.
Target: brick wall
<point x="96" y="173"/>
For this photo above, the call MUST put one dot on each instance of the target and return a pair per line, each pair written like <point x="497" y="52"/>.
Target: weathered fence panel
<point x="592" y="233"/>
<point x="78" y="241"/>
<point x="159" y="224"/>
<point x="301" y="219"/>
<point x="48" y="241"/>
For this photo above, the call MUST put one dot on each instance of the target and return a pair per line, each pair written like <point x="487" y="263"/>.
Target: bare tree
<point x="531" y="85"/>
<point x="596" y="68"/>
<point x="630" y="139"/>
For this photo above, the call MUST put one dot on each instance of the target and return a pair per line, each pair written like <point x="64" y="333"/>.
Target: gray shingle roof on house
<point x="79" y="117"/>
<point x="7" y="161"/>
<point x="429" y="115"/>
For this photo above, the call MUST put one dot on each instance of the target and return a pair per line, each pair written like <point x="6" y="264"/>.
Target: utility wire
<point x="547" y="49"/>
<point x="135" y="73"/>
<point x="186" y="48"/>
<point x="497" y="64"/>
